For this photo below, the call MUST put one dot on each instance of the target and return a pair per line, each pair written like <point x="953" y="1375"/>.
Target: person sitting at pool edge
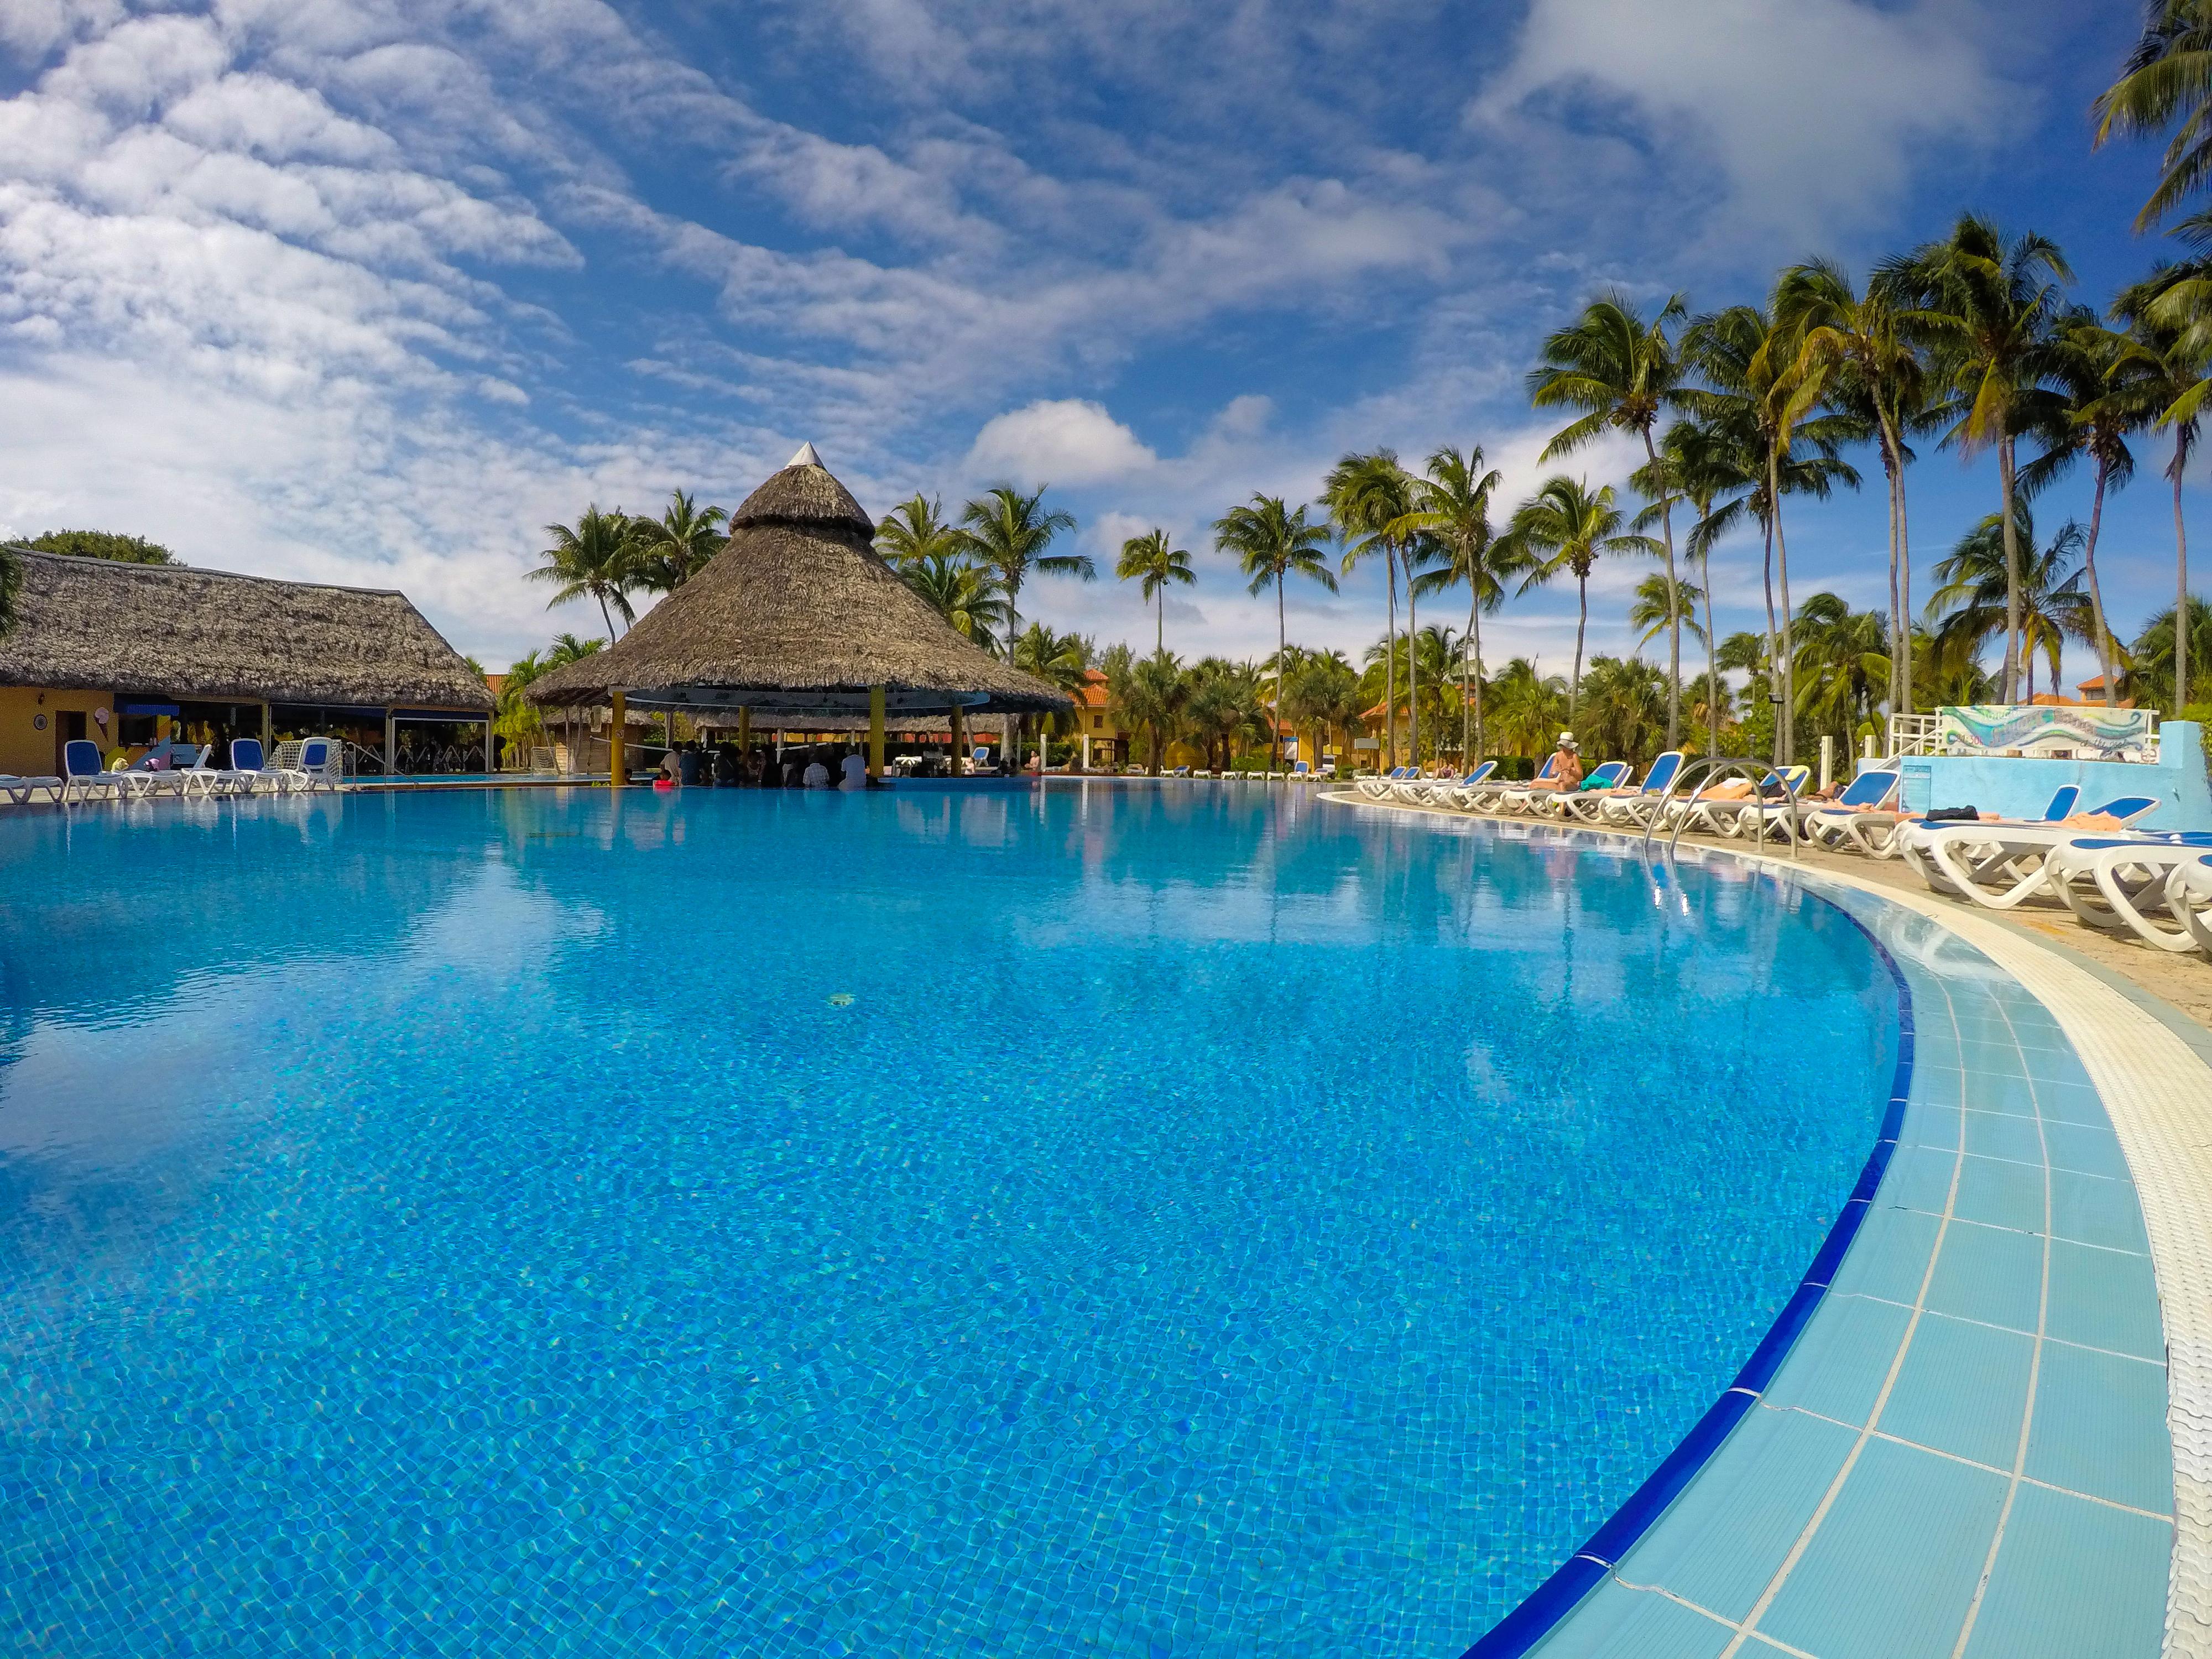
<point x="855" y="770"/>
<point x="817" y="776"/>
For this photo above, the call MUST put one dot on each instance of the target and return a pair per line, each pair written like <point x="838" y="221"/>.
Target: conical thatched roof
<point x="797" y="612"/>
<point x="183" y="631"/>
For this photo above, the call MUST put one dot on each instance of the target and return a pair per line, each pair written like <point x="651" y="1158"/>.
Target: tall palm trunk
<point x="1773" y="650"/>
<point x="1160" y="622"/>
<point x="1673" y="604"/>
<point x="2012" y="572"/>
<point x="1786" y="726"/>
<point x="2097" y="598"/>
<point x="1390" y="664"/>
<point x="1712" y="659"/>
<point x="1470" y="680"/>
<point x="1905" y="584"/>
<point x="1412" y="667"/>
<point x="1897" y="625"/>
<point x="2180" y="575"/>
<point x="1275" y="715"/>
<point x="1582" y="626"/>
<point x="605" y="615"/>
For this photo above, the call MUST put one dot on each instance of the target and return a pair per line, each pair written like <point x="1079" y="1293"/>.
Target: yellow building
<point x="131" y="654"/>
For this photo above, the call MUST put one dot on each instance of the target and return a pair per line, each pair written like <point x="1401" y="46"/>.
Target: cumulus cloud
<point x="1813" y="111"/>
<point x="1066" y="441"/>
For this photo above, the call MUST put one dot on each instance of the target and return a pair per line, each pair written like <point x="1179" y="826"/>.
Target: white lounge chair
<point x="23" y="791"/>
<point x="1448" y="793"/>
<point x="2189" y="899"/>
<point x="1998" y="864"/>
<point x="2126" y="884"/>
<point x="1487" y="796"/>
<point x="1602" y="781"/>
<point x="1599" y="806"/>
<point x="306" y="764"/>
<point x="85" y="776"/>
<point x="245" y="775"/>
<point x="1719" y="815"/>
<point x="1828" y="823"/>
<point x="1380" y="788"/>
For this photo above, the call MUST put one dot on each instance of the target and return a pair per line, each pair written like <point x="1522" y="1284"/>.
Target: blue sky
<point x="369" y="290"/>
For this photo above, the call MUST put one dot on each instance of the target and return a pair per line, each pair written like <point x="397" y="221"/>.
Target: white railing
<point x="1914" y="734"/>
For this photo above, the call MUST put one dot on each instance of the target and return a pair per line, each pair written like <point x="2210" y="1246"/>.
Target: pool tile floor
<point x="1967" y="1452"/>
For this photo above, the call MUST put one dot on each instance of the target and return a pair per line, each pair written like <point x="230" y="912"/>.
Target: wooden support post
<point x="746" y="732"/>
<point x="875" y="734"/>
<point x="952" y="720"/>
<point x="615" y="761"/>
<point x="390" y="744"/>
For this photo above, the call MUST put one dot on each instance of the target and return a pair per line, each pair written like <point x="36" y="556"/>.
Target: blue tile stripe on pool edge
<point x="1544" y="1607"/>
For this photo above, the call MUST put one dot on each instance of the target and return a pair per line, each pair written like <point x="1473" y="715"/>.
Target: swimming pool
<point x="1129" y="1221"/>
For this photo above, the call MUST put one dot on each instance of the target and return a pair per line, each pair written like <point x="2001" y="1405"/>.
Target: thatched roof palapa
<point x="215" y="636"/>
<point x="798" y="613"/>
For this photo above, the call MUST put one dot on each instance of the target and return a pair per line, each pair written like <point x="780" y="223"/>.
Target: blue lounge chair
<point x="84" y="776"/>
<point x="1618" y="805"/>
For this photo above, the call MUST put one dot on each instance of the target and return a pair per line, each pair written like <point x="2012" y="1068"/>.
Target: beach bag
<point x="1955" y="815"/>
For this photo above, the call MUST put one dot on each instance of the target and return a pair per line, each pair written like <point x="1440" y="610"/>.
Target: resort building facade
<point x="130" y="655"/>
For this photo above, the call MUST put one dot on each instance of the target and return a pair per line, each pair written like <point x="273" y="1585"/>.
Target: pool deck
<point x="1993" y="1435"/>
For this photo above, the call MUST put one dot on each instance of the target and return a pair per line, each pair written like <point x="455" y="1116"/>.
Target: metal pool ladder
<point x="1715" y="769"/>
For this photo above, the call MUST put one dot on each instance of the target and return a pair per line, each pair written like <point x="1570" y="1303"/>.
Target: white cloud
<point x="1067" y="440"/>
<point x="1814" y="110"/>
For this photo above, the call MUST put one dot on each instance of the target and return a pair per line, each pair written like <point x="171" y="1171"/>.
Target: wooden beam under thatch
<point x="212" y="635"/>
<point x="798" y="613"/>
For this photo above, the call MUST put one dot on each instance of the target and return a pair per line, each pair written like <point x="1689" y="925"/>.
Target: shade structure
<point x="798" y="613"/>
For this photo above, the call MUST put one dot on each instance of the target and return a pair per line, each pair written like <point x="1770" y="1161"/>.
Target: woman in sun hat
<point x="1567" y="765"/>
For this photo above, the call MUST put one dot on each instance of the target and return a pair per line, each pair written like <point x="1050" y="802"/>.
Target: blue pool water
<point x="1130" y="1222"/>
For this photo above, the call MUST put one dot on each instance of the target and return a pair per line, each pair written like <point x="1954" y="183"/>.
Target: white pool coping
<point x="2158" y="1093"/>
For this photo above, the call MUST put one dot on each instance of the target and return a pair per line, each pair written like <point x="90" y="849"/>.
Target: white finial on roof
<point x="806" y="456"/>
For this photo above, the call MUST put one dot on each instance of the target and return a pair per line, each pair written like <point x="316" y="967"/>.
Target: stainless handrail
<point x="1718" y="768"/>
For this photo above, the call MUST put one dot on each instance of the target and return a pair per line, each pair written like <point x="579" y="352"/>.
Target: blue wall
<point x="2023" y="789"/>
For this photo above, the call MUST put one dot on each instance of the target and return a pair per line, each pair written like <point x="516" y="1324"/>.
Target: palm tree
<point x="1324" y="692"/>
<point x="566" y="648"/>
<point x="1530" y="706"/>
<point x="675" y="547"/>
<point x="1153" y="559"/>
<point x="1625" y="707"/>
<point x="966" y="595"/>
<point x="1623" y="372"/>
<point x="1981" y="586"/>
<point x="916" y="531"/>
<point x="1368" y="498"/>
<point x="1061" y="660"/>
<point x="1874" y="366"/>
<point x="2169" y="315"/>
<point x="1150" y="697"/>
<point x="1845" y="666"/>
<point x="1271" y="543"/>
<point x="1564" y="527"/>
<point x="1008" y="533"/>
<point x="1454" y="511"/>
<point x="1654" y="608"/>
<point x="1991" y="307"/>
<point x="2108" y="397"/>
<point x="514" y="717"/>
<point x="598" y="557"/>
<point x="2151" y="673"/>
<point x="2167" y="81"/>
<point x="1749" y="360"/>
<point x="1701" y="463"/>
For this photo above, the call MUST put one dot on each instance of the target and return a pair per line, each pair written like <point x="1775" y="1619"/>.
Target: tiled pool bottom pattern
<point x="1965" y="1453"/>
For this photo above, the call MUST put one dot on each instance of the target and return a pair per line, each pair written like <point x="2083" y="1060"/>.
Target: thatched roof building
<point x="179" y="632"/>
<point x="798" y="613"/>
